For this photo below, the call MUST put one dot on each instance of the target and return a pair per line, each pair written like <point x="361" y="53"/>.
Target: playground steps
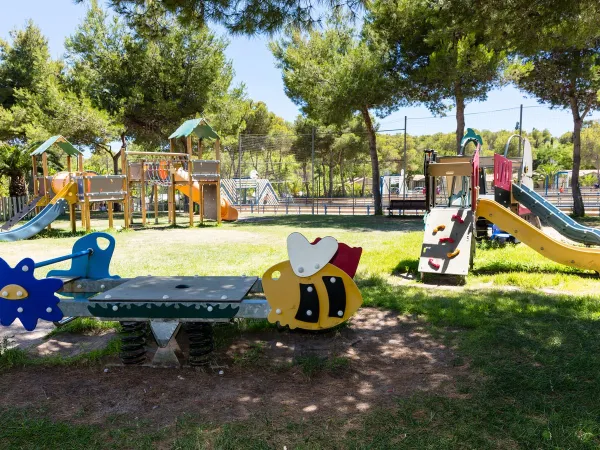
<point x="16" y="218"/>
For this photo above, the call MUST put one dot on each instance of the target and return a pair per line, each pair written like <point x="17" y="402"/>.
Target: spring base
<point x="133" y="342"/>
<point x="202" y="343"/>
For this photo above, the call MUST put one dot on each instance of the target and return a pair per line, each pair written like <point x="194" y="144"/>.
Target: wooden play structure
<point x="184" y="172"/>
<point x="69" y="189"/>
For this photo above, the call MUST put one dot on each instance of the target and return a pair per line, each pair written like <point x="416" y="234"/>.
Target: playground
<point x="504" y="358"/>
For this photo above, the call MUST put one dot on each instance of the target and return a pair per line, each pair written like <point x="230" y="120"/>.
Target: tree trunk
<point x="17" y="186"/>
<point x="342" y="176"/>
<point x="330" y="176"/>
<point x="460" y="114"/>
<point x="374" y="160"/>
<point x="578" y="206"/>
<point x="115" y="159"/>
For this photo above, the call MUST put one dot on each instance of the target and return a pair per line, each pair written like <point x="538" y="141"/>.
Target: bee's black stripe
<point x="309" y="301"/>
<point x="336" y="292"/>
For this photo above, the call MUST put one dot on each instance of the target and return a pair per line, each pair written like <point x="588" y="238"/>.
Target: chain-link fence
<point x="300" y="173"/>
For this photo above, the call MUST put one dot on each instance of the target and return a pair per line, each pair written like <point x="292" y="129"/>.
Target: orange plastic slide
<point x="228" y="212"/>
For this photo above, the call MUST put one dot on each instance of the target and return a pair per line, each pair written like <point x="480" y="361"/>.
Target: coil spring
<point x="133" y="342"/>
<point x="202" y="343"/>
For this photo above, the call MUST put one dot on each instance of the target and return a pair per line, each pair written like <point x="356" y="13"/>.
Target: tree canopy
<point x="439" y="49"/>
<point x="151" y="84"/>
<point x="332" y="75"/>
<point x="247" y="16"/>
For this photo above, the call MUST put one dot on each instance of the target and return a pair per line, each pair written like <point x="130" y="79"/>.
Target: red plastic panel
<point x="475" y="178"/>
<point x="502" y="172"/>
<point x="346" y="258"/>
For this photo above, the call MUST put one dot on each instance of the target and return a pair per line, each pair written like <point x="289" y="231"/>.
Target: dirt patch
<point x="385" y="357"/>
<point x="70" y="345"/>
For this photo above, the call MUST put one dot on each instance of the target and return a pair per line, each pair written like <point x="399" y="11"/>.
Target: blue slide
<point x="46" y="216"/>
<point x="557" y="219"/>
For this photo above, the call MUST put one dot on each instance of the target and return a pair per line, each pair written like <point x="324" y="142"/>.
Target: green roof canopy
<point x="199" y="127"/>
<point x="61" y="142"/>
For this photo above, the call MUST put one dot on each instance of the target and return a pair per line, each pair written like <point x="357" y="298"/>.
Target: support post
<point x="191" y="190"/>
<point x="188" y="146"/>
<point x="520" y="128"/>
<point x="312" y="150"/>
<point x="240" y="169"/>
<point x="173" y="201"/>
<point x="73" y="218"/>
<point x="218" y="188"/>
<point x="171" y="189"/>
<point x="143" y="194"/>
<point x="201" y="189"/>
<point x="88" y="226"/>
<point x="35" y="183"/>
<point x="46" y="187"/>
<point x="199" y="148"/>
<point x="218" y="149"/>
<point x="125" y="171"/>
<point x="404" y="178"/>
<point x="110" y="215"/>
<point x="155" y="188"/>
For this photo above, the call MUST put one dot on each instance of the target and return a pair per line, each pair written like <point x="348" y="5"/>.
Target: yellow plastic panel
<point x="283" y="295"/>
<point x="14" y="292"/>
<point x="68" y="192"/>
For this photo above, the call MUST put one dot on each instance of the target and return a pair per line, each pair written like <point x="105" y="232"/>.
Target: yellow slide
<point x="228" y="212"/>
<point x="569" y="255"/>
<point x="67" y="192"/>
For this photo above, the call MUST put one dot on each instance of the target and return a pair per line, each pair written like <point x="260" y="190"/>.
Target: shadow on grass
<point x="57" y="233"/>
<point x="407" y="267"/>
<point x="539" y="354"/>
<point x="533" y="382"/>
<point x="352" y="223"/>
<point x="498" y="267"/>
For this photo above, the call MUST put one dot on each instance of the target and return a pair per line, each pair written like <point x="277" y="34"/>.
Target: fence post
<point x="368" y="210"/>
<point x="239" y="189"/>
<point x="325" y="208"/>
<point x="312" y="151"/>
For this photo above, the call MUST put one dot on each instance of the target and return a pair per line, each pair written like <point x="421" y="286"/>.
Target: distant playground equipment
<point x="249" y="191"/>
<point x="448" y="245"/>
<point x="313" y="290"/>
<point x="52" y="195"/>
<point x="395" y="196"/>
<point x="199" y="180"/>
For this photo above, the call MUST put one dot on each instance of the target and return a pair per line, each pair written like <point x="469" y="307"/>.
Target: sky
<point x="255" y="67"/>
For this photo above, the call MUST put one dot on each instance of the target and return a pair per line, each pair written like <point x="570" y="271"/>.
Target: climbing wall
<point x="447" y="243"/>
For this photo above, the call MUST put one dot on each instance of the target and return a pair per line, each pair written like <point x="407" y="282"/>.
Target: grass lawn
<point x="526" y="328"/>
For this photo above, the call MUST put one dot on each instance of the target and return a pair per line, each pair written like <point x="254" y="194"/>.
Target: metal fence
<point x="314" y="169"/>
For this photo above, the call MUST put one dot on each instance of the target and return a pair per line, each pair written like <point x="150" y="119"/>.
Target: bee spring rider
<point x="313" y="290"/>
